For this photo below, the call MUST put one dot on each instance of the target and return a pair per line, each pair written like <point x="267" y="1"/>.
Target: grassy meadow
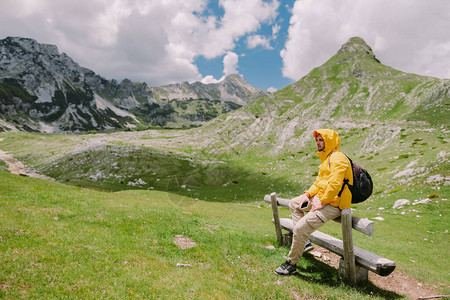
<point x="94" y="235"/>
<point x="70" y="242"/>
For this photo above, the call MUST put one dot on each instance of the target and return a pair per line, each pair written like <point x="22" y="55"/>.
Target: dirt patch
<point x="4" y="286"/>
<point x="183" y="242"/>
<point x="396" y="282"/>
<point x="17" y="167"/>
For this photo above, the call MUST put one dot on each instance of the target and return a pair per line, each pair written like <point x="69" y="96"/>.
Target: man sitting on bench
<point x="324" y="199"/>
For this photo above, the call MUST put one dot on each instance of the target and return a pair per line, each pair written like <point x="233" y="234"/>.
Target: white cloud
<point x="146" y="40"/>
<point x="254" y="41"/>
<point x="409" y="35"/>
<point x="240" y="18"/>
<point x="230" y="65"/>
<point x="230" y="62"/>
<point x="272" y="89"/>
<point x="209" y="79"/>
<point x="107" y="23"/>
<point x="275" y="30"/>
<point x="434" y="52"/>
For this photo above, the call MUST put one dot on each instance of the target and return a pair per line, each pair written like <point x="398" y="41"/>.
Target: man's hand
<point x="317" y="205"/>
<point x="303" y="198"/>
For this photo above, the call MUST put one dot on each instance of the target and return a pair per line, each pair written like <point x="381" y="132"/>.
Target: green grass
<point x="68" y="241"/>
<point x="410" y="233"/>
<point x="36" y="149"/>
<point x="59" y="241"/>
<point x="114" y="168"/>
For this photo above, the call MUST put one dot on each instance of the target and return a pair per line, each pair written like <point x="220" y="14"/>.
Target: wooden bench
<point x="355" y="262"/>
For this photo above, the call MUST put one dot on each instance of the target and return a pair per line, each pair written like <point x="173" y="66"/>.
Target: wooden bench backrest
<point x="359" y="224"/>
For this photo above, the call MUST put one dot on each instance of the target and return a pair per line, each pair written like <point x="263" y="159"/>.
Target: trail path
<point x="17" y="167"/>
<point x="396" y="282"/>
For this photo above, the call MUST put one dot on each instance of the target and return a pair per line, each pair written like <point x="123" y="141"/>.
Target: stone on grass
<point x="179" y="265"/>
<point x="401" y="202"/>
<point x="316" y="254"/>
<point x="424" y="201"/>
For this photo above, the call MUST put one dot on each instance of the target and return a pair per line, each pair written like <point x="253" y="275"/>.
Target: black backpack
<point x="362" y="182"/>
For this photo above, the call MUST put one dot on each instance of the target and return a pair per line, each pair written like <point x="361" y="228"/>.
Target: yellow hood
<point x="332" y="141"/>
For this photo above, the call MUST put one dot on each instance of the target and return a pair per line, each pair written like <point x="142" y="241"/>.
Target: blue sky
<point x="260" y="66"/>
<point x="271" y="43"/>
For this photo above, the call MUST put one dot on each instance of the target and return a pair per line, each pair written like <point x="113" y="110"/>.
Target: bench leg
<point x="276" y="218"/>
<point x="287" y="239"/>
<point x="349" y="251"/>
<point x="362" y="275"/>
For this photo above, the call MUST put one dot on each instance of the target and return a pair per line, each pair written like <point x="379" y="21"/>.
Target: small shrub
<point x="395" y="190"/>
<point x="433" y="195"/>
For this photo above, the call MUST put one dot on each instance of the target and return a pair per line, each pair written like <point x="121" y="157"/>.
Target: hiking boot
<point x="308" y="246"/>
<point x="286" y="269"/>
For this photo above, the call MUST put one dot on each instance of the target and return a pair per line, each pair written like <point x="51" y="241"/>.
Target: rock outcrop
<point x="43" y="90"/>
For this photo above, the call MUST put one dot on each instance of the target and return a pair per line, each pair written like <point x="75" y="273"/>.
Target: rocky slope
<point x="233" y="88"/>
<point x="43" y="90"/>
<point x="352" y="90"/>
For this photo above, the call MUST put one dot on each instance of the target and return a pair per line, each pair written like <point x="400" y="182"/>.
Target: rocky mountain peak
<point x="234" y="77"/>
<point x="35" y="64"/>
<point x="355" y="47"/>
<point x="30" y="45"/>
<point x="237" y="88"/>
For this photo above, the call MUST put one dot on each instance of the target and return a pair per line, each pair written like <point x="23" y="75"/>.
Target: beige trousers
<point x="304" y="225"/>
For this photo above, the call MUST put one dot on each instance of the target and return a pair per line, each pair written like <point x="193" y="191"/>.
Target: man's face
<point x="320" y="143"/>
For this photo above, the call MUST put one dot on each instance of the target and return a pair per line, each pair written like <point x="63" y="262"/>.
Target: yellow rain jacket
<point x="332" y="172"/>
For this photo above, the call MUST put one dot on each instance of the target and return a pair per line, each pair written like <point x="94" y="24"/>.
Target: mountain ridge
<point x="352" y="90"/>
<point x="62" y="95"/>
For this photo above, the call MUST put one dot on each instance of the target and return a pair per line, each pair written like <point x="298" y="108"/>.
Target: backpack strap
<point x="346" y="182"/>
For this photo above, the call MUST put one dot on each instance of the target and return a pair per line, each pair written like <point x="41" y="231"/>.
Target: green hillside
<point x="60" y="241"/>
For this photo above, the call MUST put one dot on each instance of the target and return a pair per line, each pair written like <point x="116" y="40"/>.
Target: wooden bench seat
<point x="368" y="260"/>
<point x="355" y="262"/>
